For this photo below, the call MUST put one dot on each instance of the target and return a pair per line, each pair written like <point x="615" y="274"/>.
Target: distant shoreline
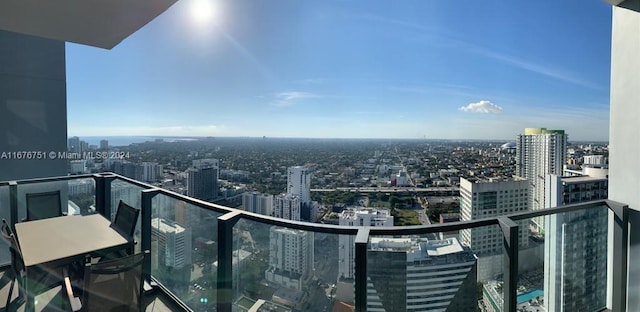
<point x="128" y="140"/>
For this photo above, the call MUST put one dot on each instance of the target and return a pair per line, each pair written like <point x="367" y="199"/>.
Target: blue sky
<point x="350" y="69"/>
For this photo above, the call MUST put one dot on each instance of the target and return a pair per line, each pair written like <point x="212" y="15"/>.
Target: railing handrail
<point x="49" y="179"/>
<point x="331" y="228"/>
<point x="228" y="217"/>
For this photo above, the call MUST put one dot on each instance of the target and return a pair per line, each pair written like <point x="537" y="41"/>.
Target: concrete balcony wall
<point x="33" y="105"/>
<point x="624" y="175"/>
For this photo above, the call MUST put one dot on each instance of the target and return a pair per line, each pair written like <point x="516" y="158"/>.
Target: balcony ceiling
<point x="614" y="2"/>
<point x="99" y="23"/>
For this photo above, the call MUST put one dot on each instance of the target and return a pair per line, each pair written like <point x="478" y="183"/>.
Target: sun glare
<point x="203" y="11"/>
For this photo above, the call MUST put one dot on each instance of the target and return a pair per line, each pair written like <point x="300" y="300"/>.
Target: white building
<point x="414" y="274"/>
<point x="81" y="187"/>
<point x="575" y="256"/>
<point x="258" y="203"/>
<point x="78" y="166"/>
<point x="491" y="198"/>
<point x="346" y="243"/>
<point x="287" y="206"/>
<point x="174" y="243"/>
<point x="402" y="178"/>
<point x="299" y="183"/>
<point x="539" y="152"/>
<point x="151" y="171"/>
<point x="594" y="160"/>
<point x="290" y="257"/>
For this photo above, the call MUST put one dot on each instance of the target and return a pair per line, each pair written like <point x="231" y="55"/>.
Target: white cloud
<point x="285" y="99"/>
<point x="485" y="107"/>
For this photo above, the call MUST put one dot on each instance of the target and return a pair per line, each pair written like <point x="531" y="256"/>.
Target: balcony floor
<point x="157" y="301"/>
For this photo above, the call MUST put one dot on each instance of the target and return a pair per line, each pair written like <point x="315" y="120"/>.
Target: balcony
<point x="215" y="258"/>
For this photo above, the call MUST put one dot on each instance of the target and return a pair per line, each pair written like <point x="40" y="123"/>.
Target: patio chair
<point x="113" y="285"/>
<point x="43" y="205"/>
<point x="126" y="219"/>
<point x="42" y="279"/>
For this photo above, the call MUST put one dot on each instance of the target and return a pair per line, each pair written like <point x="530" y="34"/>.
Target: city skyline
<point x="339" y="69"/>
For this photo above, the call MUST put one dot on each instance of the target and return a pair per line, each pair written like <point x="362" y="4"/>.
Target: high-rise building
<point x="491" y="198"/>
<point x="206" y="163"/>
<point x="539" y="152"/>
<point x="74" y="145"/>
<point x="78" y="166"/>
<point x="127" y="169"/>
<point x="290" y="257"/>
<point x="299" y="183"/>
<point x="575" y="257"/>
<point x="202" y="183"/>
<point x="104" y="144"/>
<point x="287" y="206"/>
<point x="151" y="171"/>
<point x="174" y="243"/>
<point x="594" y="160"/>
<point x="413" y="274"/>
<point x="258" y="203"/>
<point x="346" y="243"/>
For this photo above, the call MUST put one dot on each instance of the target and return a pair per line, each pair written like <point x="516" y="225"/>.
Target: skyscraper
<point x="290" y="257"/>
<point x="575" y="257"/>
<point x="74" y="145"/>
<point x="491" y="198"/>
<point x="151" y="171"/>
<point x="287" y="206"/>
<point x="346" y="243"/>
<point x="414" y="274"/>
<point x="299" y="183"/>
<point x="174" y="243"/>
<point x="258" y="203"/>
<point x="104" y="144"/>
<point x="202" y="180"/>
<point x="540" y="152"/>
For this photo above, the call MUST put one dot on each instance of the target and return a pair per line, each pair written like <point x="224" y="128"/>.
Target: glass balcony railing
<point x="208" y="257"/>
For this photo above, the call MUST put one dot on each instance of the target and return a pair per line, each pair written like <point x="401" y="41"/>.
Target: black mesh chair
<point x="43" y="205"/>
<point x="125" y="223"/>
<point x="41" y="280"/>
<point x="114" y="285"/>
<point x="126" y="219"/>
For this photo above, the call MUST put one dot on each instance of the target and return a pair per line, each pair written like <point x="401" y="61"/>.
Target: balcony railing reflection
<point x="210" y="257"/>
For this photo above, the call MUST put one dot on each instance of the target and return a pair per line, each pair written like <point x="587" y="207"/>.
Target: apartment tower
<point x="202" y="180"/>
<point x="415" y="274"/>
<point x="258" y="203"/>
<point x="575" y="257"/>
<point x="539" y="152"/>
<point x="346" y="243"/>
<point x="290" y="257"/>
<point x="491" y="198"/>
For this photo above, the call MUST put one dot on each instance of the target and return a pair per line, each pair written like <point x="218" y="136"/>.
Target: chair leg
<point x="9" y="295"/>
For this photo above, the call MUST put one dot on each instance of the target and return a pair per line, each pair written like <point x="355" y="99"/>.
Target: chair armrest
<point x="74" y="301"/>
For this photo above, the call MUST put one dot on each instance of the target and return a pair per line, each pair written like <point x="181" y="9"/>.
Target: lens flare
<point x="203" y="11"/>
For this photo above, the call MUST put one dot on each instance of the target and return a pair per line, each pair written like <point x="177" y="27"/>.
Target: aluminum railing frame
<point x="230" y="216"/>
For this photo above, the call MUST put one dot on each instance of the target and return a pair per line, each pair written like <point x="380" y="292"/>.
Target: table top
<point x="60" y="239"/>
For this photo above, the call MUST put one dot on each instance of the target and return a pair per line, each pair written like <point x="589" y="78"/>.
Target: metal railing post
<point x="103" y="194"/>
<point x="100" y="195"/>
<point x="510" y="234"/>
<point x="13" y="203"/>
<point x="225" y="260"/>
<point x="361" y="241"/>
<point x="145" y="229"/>
<point x="620" y="254"/>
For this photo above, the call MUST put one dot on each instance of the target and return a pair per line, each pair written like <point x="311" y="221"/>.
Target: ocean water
<point x="128" y="140"/>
